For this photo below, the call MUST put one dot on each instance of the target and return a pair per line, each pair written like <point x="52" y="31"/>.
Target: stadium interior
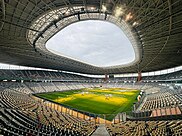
<point x="154" y="28"/>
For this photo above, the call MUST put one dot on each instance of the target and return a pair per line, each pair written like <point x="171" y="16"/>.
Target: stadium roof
<point x="154" y="28"/>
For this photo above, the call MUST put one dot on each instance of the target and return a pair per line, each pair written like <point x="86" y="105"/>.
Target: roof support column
<point x="139" y="78"/>
<point x="105" y="16"/>
<point x="106" y="78"/>
<point x="79" y="16"/>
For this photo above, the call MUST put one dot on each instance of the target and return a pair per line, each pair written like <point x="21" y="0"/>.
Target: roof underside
<point x="159" y="33"/>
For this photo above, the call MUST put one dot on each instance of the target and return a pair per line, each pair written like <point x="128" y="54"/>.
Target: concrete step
<point x="101" y="131"/>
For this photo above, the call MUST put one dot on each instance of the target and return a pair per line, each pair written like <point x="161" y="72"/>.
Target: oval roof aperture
<point x="95" y="42"/>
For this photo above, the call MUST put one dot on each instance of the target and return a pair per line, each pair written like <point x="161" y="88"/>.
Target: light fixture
<point x="135" y="23"/>
<point x="118" y="11"/>
<point x="92" y="8"/>
<point x="56" y="17"/>
<point x="67" y="12"/>
<point x="128" y="17"/>
<point x="104" y="8"/>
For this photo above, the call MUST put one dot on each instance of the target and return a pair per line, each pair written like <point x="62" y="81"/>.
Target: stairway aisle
<point x="101" y="131"/>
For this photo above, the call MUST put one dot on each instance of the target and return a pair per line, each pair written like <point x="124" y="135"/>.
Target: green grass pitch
<point x="96" y="100"/>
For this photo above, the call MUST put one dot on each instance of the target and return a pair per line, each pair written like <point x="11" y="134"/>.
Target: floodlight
<point x="135" y="23"/>
<point x="92" y="8"/>
<point x="128" y="17"/>
<point x="118" y="11"/>
<point x="56" y="17"/>
<point x="104" y="8"/>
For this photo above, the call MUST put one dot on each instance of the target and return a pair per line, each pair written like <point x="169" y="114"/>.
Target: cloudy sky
<point x="95" y="42"/>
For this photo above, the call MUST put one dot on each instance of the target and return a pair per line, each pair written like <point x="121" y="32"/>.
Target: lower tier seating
<point x="146" y="128"/>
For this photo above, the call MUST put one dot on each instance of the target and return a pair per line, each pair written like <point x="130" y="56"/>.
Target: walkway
<point x="101" y="131"/>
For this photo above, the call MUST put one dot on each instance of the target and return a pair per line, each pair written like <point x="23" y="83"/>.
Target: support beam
<point x="11" y="23"/>
<point x="3" y="14"/>
<point x="79" y="16"/>
<point x="105" y="16"/>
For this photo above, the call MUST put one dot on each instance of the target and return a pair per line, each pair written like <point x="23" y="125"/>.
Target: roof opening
<point x="95" y="42"/>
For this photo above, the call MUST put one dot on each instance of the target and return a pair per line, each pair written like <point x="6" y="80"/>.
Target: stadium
<point x="44" y="92"/>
